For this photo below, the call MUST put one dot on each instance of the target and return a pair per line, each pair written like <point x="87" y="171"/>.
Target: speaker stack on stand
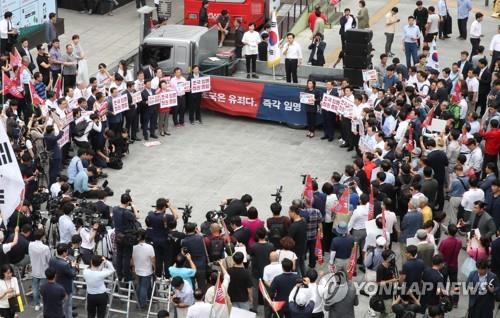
<point x="357" y="55"/>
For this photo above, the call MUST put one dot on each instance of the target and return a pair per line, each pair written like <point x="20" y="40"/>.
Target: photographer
<point x="76" y="164"/>
<point x="56" y="187"/>
<point x="406" y="305"/>
<point x="236" y="207"/>
<point x="88" y="240"/>
<point x="485" y="285"/>
<point x="193" y="244"/>
<point x="300" y="302"/>
<point x="124" y="218"/>
<point x="65" y="274"/>
<point x="66" y="226"/>
<point x="51" y="136"/>
<point x="30" y="174"/>
<point x="180" y="269"/>
<point x="97" y="297"/>
<point x="317" y="48"/>
<point x="215" y="242"/>
<point x="81" y="184"/>
<point x="157" y="232"/>
<point x="83" y="129"/>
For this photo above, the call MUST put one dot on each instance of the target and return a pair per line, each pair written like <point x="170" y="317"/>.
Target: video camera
<point x="277" y="196"/>
<point x="214" y="216"/>
<point x="304" y="176"/>
<point x="88" y="212"/>
<point x="186" y="212"/>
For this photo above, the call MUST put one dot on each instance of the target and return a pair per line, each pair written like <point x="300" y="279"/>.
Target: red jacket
<point x="312" y="19"/>
<point x="368" y="168"/>
<point x="492" y="141"/>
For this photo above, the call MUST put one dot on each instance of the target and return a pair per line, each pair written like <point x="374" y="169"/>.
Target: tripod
<point x="53" y="232"/>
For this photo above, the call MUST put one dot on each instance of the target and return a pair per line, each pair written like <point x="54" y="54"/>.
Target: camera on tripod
<point x="277" y="195"/>
<point x="186" y="213"/>
<point x="88" y="212"/>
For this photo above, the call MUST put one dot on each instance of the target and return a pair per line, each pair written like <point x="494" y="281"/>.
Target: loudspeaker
<point x="354" y="77"/>
<point x="358" y="36"/>
<point x="358" y="49"/>
<point x="356" y="61"/>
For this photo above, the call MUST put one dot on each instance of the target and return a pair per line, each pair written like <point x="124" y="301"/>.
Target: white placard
<point x="120" y="104"/>
<point x="168" y="99"/>
<point x="307" y="98"/>
<point x="200" y="84"/>
<point x="438" y="125"/>
<point x="327" y="102"/>
<point x="65" y="137"/>
<point x="370" y="75"/>
<point x="136" y="97"/>
<point x="153" y="100"/>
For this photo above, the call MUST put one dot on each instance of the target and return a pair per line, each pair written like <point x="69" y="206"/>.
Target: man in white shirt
<point x="39" y="256"/>
<point x="293" y="57"/>
<point x="143" y="261"/>
<point x="6" y="30"/>
<point x="66" y="227"/>
<point x="470" y="196"/>
<point x="495" y="49"/>
<point x="357" y="222"/>
<point x="423" y="84"/>
<point x="472" y="87"/>
<point x="475" y="159"/>
<point x="88" y="240"/>
<point x="476" y="33"/>
<point x="199" y="309"/>
<point x="273" y="269"/>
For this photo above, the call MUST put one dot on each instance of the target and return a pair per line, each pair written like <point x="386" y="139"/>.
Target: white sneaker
<point x="37" y="308"/>
<point x="341" y="141"/>
<point x="372" y="312"/>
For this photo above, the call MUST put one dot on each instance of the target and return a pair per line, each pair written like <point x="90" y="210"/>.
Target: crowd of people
<point x="423" y="181"/>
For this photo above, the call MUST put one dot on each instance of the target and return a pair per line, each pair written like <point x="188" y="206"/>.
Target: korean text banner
<point x="273" y="102"/>
<point x="27" y="13"/>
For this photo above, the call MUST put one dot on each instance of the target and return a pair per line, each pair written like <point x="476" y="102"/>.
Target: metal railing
<point x="285" y="23"/>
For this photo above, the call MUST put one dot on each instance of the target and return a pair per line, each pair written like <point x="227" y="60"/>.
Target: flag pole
<point x="274" y="74"/>
<point x="3" y="90"/>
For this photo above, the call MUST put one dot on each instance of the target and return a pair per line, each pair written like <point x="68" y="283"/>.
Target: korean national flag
<point x="11" y="180"/>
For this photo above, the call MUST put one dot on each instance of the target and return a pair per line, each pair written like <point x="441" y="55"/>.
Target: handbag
<point x="377" y="303"/>
<point x="16" y="304"/>
<point x="468" y="266"/>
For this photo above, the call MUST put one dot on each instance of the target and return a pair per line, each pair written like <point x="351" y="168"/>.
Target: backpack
<point x="216" y="251"/>
<point x="276" y="231"/>
<point x="80" y="128"/>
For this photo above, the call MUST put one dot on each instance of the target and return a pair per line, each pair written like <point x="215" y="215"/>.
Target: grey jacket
<point x="486" y="224"/>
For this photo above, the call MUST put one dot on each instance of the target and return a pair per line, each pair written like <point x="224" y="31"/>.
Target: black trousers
<point x="237" y="52"/>
<point x="4" y="46"/>
<point x="132" y="122"/>
<point x="328" y="123"/>
<point x="345" y="130"/>
<point x="194" y="101"/>
<point x="462" y="27"/>
<point x="122" y="261"/>
<point x="291" y="70"/>
<point x="161" y="260"/>
<point x="148" y="120"/>
<point x="179" y="111"/>
<point x="475" y="46"/>
<point x="311" y="121"/>
<point x="251" y="59"/>
<point x="55" y="75"/>
<point x="96" y="305"/>
<point x="140" y="3"/>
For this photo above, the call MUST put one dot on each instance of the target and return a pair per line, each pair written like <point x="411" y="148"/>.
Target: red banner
<point x="242" y="99"/>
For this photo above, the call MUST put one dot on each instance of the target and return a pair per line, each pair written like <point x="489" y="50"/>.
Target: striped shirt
<point x="40" y="89"/>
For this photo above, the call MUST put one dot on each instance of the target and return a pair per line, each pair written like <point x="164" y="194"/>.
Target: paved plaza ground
<point x="227" y="157"/>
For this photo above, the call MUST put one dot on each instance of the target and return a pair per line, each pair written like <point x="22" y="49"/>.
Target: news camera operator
<point x="157" y="221"/>
<point x="125" y="220"/>
<point x="88" y="236"/>
<point x="194" y="244"/>
<point x="66" y="226"/>
<point x="236" y="207"/>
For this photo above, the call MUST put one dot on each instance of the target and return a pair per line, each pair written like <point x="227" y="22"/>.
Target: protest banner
<point x="369" y="75"/>
<point x="168" y="99"/>
<point x="307" y="98"/>
<point x="120" y="104"/>
<point x="136" y="98"/>
<point x="200" y="84"/>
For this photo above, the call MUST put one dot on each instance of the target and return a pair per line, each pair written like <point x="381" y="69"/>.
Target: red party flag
<point x="220" y="307"/>
<point x="308" y="189"/>
<point x="411" y="142"/>
<point x="371" y="206"/>
<point x="318" y="249"/>
<point x="58" y="87"/>
<point x="275" y="305"/>
<point x="35" y="98"/>
<point x="428" y="118"/>
<point x="342" y="206"/>
<point x="15" y="58"/>
<point x="457" y="92"/>
<point x="10" y="86"/>
<point x="351" y="266"/>
<point x="384" y="225"/>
